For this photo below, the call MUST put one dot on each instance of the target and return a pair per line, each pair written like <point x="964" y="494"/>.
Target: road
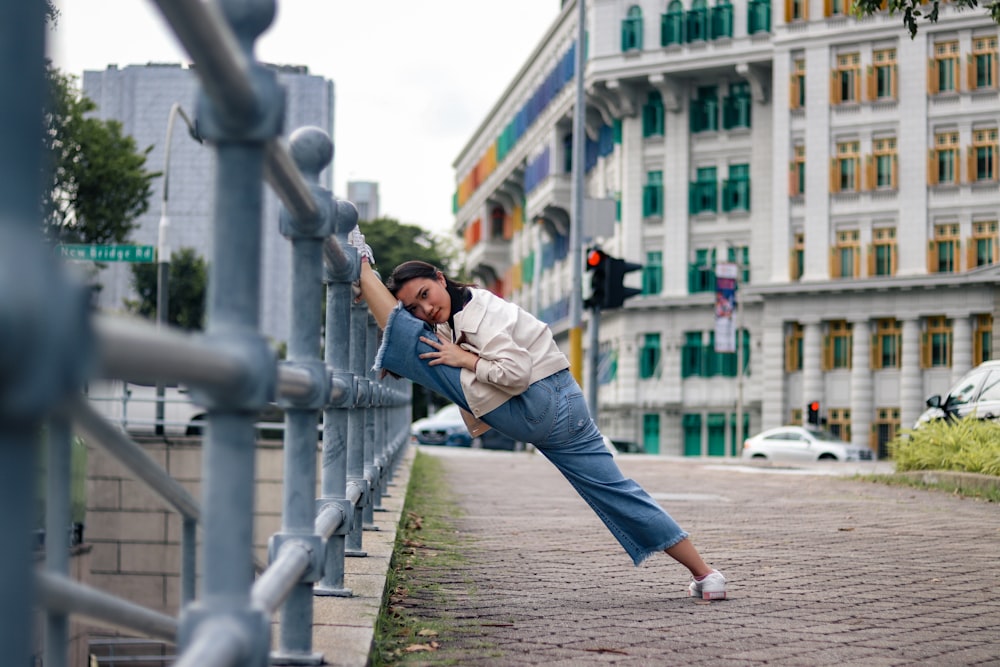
<point x="824" y="569"/>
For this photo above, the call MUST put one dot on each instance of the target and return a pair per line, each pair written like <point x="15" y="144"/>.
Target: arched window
<point x="672" y="24"/>
<point x="697" y="21"/>
<point x="497" y="218"/>
<point x="722" y="19"/>
<point x="632" y="29"/>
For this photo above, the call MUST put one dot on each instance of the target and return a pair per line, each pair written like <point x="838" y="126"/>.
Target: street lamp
<point x="163" y="247"/>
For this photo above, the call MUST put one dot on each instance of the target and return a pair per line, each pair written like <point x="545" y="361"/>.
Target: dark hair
<point x="415" y="268"/>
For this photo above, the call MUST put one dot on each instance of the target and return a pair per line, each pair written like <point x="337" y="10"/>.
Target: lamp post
<point x="163" y="246"/>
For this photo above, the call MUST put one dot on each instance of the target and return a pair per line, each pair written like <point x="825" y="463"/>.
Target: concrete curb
<point x="344" y="627"/>
<point x="960" y="480"/>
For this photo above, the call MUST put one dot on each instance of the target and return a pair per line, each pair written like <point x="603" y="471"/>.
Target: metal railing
<point x="51" y="345"/>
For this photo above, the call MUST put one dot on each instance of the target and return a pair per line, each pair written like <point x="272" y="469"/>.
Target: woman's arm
<point x="380" y="300"/>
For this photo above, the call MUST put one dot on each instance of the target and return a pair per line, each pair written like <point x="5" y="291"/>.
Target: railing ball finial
<point x="248" y="18"/>
<point x="312" y="151"/>
<point x="346" y="218"/>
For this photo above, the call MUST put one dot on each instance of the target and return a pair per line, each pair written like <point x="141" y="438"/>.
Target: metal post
<point x="356" y="425"/>
<point x="189" y="559"/>
<point x="57" y="527"/>
<point x="593" y="343"/>
<point x="576" y="215"/>
<point x="298" y="511"/>
<point x="341" y="268"/>
<point x="240" y="139"/>
<point x="373" y="412"/>
<point x="44" y="336"/>
<point x="333" y="482"/>
<point x="312" y="152"/>
<point x="739" y="369"/>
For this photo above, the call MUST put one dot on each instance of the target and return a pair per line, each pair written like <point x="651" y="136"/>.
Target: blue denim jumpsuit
<point x="552" y="415"/>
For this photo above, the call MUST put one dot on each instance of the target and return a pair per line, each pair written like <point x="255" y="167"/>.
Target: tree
<point x="914" y="9"/>
<point x="187" y="287"/>
<point x="394" y="243"/>
<point x="96" y="181"/>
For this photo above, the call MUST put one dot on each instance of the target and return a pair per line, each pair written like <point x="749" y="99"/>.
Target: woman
<point x="501" y="364"/>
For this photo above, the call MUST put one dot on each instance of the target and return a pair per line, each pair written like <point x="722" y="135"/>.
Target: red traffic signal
<point x="813" y="413"/>
<point x="597" y="262"/>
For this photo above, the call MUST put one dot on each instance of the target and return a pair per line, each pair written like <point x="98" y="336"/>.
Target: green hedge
<point x="966" y="445"/>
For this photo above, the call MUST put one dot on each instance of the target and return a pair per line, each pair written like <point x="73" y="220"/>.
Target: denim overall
<point x="552" y="415"/>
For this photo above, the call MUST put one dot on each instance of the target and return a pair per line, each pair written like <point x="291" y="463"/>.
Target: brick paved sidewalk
<point x="823" y="570"/>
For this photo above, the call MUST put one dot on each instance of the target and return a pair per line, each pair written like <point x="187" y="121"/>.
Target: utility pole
<point x="576" y="214"/>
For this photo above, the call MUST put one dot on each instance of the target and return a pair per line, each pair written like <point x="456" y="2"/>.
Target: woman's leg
<point x="399" y="352"/>
<point x="553" y="415"/>
<point x="684" y="553"/>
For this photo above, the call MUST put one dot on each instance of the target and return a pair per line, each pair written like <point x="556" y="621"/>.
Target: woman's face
<point x="426" y="299"/>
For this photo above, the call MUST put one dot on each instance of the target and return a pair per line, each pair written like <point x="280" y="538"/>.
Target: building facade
<point x="849" y="171"/>
<point x="141" y="97"/>
<point x="364" y="195"/>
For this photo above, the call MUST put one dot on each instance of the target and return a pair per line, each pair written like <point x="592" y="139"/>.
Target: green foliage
<point x="96" y="181"/>
<point x="912" y="10"/>
<point x="187" y="286"/>
<point x="394" y="243"/>
<point x="965" y="445"/>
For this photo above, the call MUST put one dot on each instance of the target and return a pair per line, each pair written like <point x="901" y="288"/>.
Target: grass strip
<point x="955" y="488"/>
<point x="427" y="542"/>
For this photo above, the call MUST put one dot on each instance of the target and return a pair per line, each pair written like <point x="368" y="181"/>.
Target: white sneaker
<point x="712" y="587"/>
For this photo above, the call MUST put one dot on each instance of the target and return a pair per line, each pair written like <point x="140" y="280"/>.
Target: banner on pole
<point x="725" y="304"/>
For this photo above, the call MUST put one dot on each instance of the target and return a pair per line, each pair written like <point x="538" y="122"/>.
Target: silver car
<point x="799" y="444"/>
<point x="977" y="393"/>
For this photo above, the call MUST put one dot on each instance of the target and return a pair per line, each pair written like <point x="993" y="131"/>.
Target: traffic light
<point x="814" y="413"/>
<point x="597" y="263"/>
<point x="616" y="291"/>
<point x="606" y="281"/>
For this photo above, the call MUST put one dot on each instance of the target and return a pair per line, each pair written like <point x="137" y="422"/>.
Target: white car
<point x="444" y="427"/>
<point x="797" y="443"/>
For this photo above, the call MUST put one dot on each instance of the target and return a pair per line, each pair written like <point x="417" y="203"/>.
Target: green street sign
<point x="109" y="253"/>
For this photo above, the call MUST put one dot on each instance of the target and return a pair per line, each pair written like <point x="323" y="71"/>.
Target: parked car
<point x="132" y="406"/>
<point x="977" y="393"/>
<point x="797" y="443"/>
<point x="444" y="427"/>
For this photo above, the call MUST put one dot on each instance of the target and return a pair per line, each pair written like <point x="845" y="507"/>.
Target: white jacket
<point x="515" y="349"/>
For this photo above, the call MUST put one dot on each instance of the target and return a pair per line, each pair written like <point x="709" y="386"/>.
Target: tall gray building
<point x="140" y="97"/>
<point x="364" y="195"/>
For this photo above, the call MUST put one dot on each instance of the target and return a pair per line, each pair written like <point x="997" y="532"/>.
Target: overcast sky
<point x="413" y="79"/>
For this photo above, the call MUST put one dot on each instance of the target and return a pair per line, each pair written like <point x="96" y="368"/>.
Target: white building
<point x="140" y="97"/>
<point x="364" y="195"/>
<point x="850" y="170"/>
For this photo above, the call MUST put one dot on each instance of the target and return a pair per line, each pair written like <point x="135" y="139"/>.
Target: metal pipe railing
<point x="135" y="350"/>
<point x="59" y="593"/>
<point x="232" y="372"/>
<point x="273" y="587"/>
